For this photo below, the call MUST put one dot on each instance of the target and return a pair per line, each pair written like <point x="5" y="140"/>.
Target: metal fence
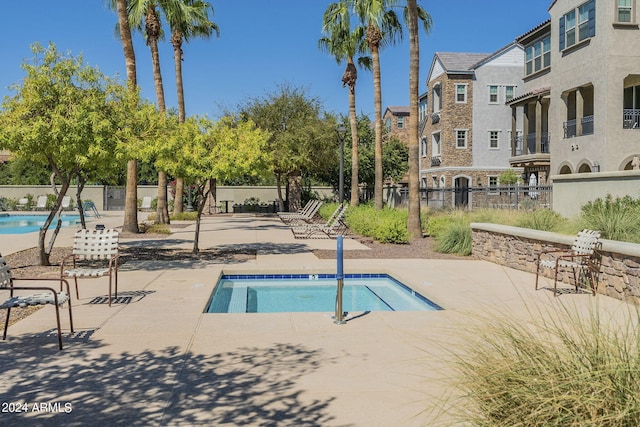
<point x="508" y="197"/>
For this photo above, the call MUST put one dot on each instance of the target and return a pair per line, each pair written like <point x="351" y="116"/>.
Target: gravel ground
<point x="26" y="263"/>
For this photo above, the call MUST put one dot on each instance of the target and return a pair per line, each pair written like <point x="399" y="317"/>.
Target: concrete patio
<point x="159" y="360"/>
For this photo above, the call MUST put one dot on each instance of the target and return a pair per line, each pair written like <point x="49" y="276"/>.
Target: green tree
<point x="302" y="138"/>
<point x="344" y="44"/>
<point x="130" y="224"/>
<point x="187" y="19"/>
<point x="413" y="13"/>
<point x="382" y="28"/>
<point x="60" y="118"/>
<point x="202" y="151"/>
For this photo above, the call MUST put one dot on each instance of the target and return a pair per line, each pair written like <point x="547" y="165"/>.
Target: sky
<point x="263" y="45"/>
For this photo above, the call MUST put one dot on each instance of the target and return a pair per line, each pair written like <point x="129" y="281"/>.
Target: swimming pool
<point x="285" y="293"/>
<point x="21" y="224"/>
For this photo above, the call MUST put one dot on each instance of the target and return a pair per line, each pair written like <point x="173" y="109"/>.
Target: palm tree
<point x="187" y="19"/>
<point x="130" y="224"/>
<point x="382" y="28"/>
<point x="344" y="45"/>
<point x="144" y="16"/>
<point x="413" y="13"/>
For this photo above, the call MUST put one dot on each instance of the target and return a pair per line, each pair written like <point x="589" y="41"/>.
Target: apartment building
<point x="581" y="103"/>
<point x="396" y="122"/>
<point x="467" y="134"/>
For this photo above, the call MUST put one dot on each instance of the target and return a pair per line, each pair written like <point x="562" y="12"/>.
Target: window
<point x="509" y="93"/>
<point x="624" y="10"/>
<point x="461" y="94"/>
<point x="400" y="123"/>
<point x="435" y="144"/>
<point x="387" y="124"/>
<point x="493" y="94"/>
<point x="578" y="24"/>
<point x="494" y="139"/>
<point x="423" y="147"/>
<point x="538" y="56"/>
<point x="437" y="101"/>
<point x="493" y="184"/>
<point x="461" y="138"/>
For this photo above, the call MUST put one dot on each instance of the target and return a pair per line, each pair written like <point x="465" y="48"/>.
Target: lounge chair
<point x="306" y="207"/>
<point x="146" y="203"/>
<point x="66" y="203"/>
<point x="332" y="228"/>
<point x="580" y="257"/>
<point x="57" y="299"/>
<point x="94" y="254"/>
<point x="23" y="204"/>
<point x="302" y="218"/>
<point x="41" y="204"/>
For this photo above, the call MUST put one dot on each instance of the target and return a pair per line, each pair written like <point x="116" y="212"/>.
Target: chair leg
<point x="58" y="324"/>
<point x="6" y="324"/>
<point x="555" y="281"/>
<point x="109" y="290"/>
<point x="537" y="273"/>
<point x="75" y="279"/>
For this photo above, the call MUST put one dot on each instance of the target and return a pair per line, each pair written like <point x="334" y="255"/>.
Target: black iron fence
<point x="505" y="197"/>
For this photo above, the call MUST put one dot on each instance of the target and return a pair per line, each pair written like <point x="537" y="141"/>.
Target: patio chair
<point x="302" y="211"/>
<point x="57" y="299"/>
<point x="332" y="228"/>
<point x="95" y="254"/>
<point x="41" y="204"/>
<point x="66" y="203"/>
<point x="23" y="204"/>
<point x="302" y="218"/>
<point x="146" y="203"/>
<point x="579" y="258"/>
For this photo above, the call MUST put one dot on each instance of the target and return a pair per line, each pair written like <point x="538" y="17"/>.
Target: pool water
<point x="21" y="224"/>
<point x="286" y="293"/>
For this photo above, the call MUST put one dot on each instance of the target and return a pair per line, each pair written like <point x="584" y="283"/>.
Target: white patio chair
<point x="57" y="299"/>
<point x="41" y="204"/>
<point x="579" y="258"/>
<point x="95" y="254"/>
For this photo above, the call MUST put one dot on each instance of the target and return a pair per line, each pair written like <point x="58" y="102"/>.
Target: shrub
<point x="383" y="225"/>
<point x="184" y="216"/>
<point x="617" y="219"/>
<point x="564" y="369"/>
<point x="540" y="219"/>
<point x="157" y="229"/>
<point x="455" y="239"/>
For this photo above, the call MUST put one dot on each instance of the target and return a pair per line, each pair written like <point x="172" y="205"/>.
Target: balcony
<point x="631" y="118"/>
<point x="435" y="117"/>
<point x="436" y="161"/>
<point x="526" y="151"/>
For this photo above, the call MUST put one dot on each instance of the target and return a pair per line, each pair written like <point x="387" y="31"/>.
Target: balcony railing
<point x="531" y="144"/>
<point x="436" y="161"/>
<point x="435" y="117"/>
<point x="569" y="128"/>
<point x="587" y="125"/>
<point x="631" y="118"/>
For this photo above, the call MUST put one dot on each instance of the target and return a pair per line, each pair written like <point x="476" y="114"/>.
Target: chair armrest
<point x="41" y="279"/>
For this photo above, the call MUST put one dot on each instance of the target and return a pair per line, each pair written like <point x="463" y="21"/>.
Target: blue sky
<point x="263" y="44"/>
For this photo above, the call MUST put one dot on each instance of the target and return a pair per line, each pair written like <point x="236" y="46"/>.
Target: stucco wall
<point x="572" y="191"/>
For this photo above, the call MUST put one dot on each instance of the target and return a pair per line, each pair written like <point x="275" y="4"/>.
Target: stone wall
<point x="518" y="248"/>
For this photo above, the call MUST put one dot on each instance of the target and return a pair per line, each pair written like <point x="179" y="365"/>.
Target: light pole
<point x="341" y="131"/>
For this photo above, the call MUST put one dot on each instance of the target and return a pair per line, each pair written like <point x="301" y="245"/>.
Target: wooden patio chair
<point x="95" y="254"/>
<point x="579" y="258"/>
<point x="57" y="299"/>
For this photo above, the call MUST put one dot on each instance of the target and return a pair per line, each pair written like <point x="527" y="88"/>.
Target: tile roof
<point x="398" y="109"/>
<point x="453" y="61"/>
